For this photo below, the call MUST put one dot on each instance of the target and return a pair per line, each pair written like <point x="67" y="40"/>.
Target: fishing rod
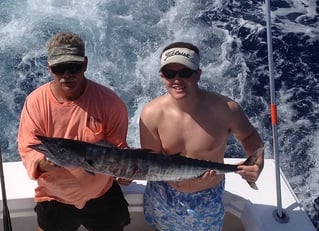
<point x="5" y="210"/>
<point x="280" y="215"/>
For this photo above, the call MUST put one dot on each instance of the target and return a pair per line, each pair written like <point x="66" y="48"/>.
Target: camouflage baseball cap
<point x="65" y="53"/>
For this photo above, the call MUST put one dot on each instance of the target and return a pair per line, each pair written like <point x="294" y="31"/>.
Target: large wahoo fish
<point x="135" y="164"/>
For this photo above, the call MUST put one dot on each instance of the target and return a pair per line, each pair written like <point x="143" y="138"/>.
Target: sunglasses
<point x="183" y="73"/>
<point x="72" y="68"/>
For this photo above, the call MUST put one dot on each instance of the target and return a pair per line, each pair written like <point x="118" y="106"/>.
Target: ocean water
<point x="124" y="40"/>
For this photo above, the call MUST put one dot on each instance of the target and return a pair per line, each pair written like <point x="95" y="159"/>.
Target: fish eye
<point x="90" y="162"/>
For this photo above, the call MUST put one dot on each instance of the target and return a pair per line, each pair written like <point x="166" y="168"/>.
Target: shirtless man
<point x="196" y="123"/>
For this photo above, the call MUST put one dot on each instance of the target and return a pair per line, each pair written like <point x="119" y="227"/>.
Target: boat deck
<point x="246" y="209"/>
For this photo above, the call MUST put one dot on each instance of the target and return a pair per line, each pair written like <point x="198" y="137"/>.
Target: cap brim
<point x="65" y="58"/>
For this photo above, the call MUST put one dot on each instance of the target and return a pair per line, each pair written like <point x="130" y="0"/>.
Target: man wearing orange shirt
<point x="74" y="107"/>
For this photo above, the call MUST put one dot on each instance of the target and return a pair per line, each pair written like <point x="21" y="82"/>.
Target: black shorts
<point x="108" y="212"/>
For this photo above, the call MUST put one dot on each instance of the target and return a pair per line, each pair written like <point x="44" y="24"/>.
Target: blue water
<point x="124" y="40"/>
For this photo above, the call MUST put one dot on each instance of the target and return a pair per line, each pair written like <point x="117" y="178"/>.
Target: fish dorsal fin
<point x="148" y="150"/>
<point x="177" y="157"/>
<point x="170" y="155"/>
<point x="104" y="143"/>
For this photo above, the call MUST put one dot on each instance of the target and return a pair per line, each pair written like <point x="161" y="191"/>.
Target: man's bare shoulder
<point x="234" y="106"/>
<point x="156" y="105"/>
<point x="223" y="101"/>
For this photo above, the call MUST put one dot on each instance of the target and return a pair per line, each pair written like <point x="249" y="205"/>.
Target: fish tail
<point x="253" y="185"/>
<point x="251" y="160"/>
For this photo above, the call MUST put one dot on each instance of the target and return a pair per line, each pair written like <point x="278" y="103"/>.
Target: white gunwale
<point x="247" y="209"/>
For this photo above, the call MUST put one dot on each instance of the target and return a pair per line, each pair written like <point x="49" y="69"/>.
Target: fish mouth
<point x="39" y="147"/>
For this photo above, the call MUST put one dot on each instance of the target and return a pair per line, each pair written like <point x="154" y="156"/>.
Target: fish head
<point x="63" y="152"/>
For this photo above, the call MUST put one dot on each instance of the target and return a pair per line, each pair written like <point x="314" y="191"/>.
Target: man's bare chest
<point x="192" y="136"/>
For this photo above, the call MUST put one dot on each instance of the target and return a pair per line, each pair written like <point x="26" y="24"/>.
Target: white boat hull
<point x="247" y="209"/>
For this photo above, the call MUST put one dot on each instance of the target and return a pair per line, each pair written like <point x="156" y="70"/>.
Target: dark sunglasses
<point x="183" y="73"/>
<point x="72" y="68"/>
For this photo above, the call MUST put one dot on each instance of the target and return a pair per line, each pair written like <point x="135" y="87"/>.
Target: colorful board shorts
<point x="166" y="209"/>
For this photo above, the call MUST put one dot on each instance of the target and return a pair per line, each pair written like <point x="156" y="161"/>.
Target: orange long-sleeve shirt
<point x="99" y="114"/>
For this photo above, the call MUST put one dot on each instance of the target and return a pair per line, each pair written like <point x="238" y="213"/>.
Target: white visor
<point x="184" y="56"/>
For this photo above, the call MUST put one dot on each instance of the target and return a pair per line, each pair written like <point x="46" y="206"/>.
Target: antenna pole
<point x="278" y="214"/>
